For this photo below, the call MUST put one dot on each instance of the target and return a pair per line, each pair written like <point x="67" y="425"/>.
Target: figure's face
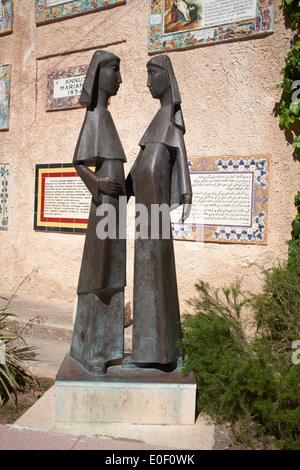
<point x="158" y="81"/>
<point x="110" y="77"/>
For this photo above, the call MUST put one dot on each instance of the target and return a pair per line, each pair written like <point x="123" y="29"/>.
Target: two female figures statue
<point x="159" y="176"/>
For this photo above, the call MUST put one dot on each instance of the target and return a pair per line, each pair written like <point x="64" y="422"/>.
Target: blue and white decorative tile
<point x="230" y="200"/>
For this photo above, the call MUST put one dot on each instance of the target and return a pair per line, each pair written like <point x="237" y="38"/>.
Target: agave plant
<point x="13" y="373"/>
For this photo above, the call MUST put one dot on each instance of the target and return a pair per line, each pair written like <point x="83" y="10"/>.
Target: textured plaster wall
<point x="228" y="101"/>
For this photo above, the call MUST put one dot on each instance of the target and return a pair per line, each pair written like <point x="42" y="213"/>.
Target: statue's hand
<point x="110" y="186"/>
<point x="187" y="207"/>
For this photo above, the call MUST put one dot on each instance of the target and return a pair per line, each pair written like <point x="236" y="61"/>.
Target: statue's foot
<point x="96" y="367"/>
<point x="128" y="364"/>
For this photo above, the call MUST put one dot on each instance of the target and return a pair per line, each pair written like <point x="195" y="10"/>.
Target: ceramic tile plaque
<point x="49" y="10"/>
<point x="64" y="87"/>
<point x="177" y="24"/>
<point x="62" y="201"/>
<point x="4" y="96"/>
<point x="4" y="195"/>
<point x="230" y="200"/>
<point x="5" y="16"/>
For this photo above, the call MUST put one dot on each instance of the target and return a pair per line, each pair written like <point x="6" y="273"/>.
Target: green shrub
<point x="216" y="350"/>
<point x="253" y="384"/>
<point x="292" y="10"/>
<point x="14" y="374"/>
<point x="288" y="107"/>
<point x="294" y="243"/>
<point x="277" y="307"/>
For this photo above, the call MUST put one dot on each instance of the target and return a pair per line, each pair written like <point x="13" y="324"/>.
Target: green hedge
<point x="253" y="384"/>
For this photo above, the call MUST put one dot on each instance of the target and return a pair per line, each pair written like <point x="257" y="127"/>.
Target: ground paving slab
<point x="14" y="437"/>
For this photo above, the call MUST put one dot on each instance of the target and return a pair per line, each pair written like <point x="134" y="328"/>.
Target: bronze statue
<point x="159" y="176"/>
<point x="98" y="329"/>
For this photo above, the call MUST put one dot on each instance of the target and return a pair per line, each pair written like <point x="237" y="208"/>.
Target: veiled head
<point x="103" y="74"/>
<point x="164" y="63"/>
<point x="164" y="79"/>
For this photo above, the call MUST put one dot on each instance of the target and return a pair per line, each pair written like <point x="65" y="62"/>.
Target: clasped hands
<point x="113" y="188"/>
<point x="110" y="186"/>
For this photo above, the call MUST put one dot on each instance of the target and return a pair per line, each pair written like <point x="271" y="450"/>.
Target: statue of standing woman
<point x="159" y="176"/>
<point x="98" y="329"/>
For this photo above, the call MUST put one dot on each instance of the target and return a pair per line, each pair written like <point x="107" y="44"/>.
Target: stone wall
<point x="228" y="101"/>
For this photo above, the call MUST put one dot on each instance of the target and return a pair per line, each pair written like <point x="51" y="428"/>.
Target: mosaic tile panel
<point x="4" y="96"/>
<point x="5" y="17"/>
<point x="178" y="24"/>
<point x="49" y="10"/>
<point x="4" y="196"/>
<point x="230" y="200"/>
<point x="64" y="87"/>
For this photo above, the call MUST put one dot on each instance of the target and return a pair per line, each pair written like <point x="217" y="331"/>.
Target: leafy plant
<point x="277" y="307"/>
<point x="294" y="243"/>
<point x="216" y="350"/>
<point x="13" y="373"/>
<point x="13" y="409"/>
<point x="292" y="10"/>
<point x="253" y="384"/>
<point x="288" y="107"/>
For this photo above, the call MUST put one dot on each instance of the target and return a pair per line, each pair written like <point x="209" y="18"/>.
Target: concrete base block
<point x="41" y="416"/>
<point x="129" y="396"/>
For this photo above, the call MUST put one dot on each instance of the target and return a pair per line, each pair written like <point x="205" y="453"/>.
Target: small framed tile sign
<point x="179" y="24"/>
<point x="50" y="10"/>
<point x="62" y="201"/>
<point x="5" y="17"/>
<point x="230" y="200"/>
<point x="4" y="96"/>
<point x="64" y="87"/>
<point x="4" y="196"/>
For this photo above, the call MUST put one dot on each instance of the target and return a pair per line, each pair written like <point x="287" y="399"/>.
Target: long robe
<point x="98" y="329"/>
<point x="159" y="176"/>
<point x="103" y="261"/>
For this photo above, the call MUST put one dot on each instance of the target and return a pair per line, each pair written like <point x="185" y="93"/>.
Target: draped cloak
<point x="163" y="130"/>
<point x="103" y="260"/>
<point x="98" y="329"/>
<point x="159" y="176"/>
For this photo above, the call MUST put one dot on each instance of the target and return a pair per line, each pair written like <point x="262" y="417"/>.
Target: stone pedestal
<point x="127" y="396"/>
